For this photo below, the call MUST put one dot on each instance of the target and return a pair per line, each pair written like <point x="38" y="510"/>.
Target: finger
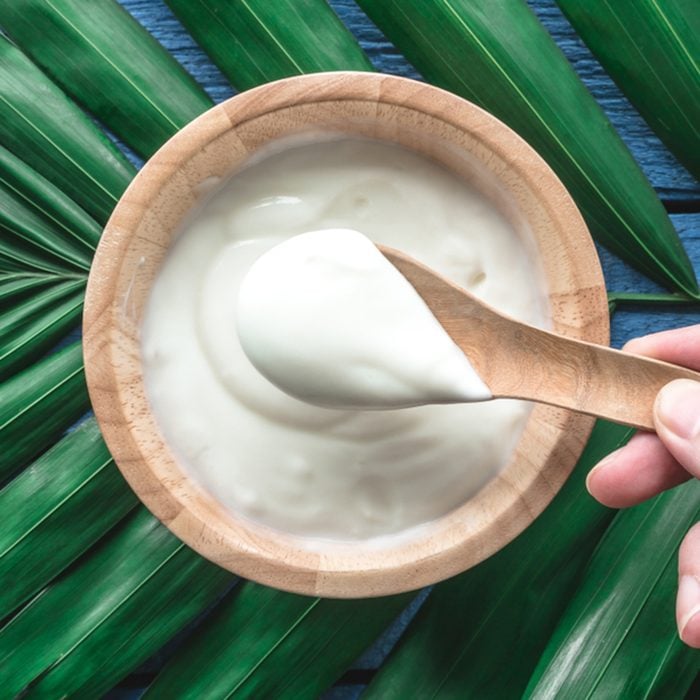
<point x="677" y="422"/>
<point x="680" y="346"/>
<point x="688" y="600"/>
<point x="640" y="470"/>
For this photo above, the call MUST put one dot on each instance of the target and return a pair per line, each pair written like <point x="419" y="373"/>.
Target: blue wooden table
<point x="678" y="190"/>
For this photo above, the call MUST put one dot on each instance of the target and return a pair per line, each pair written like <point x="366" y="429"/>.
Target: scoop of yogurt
<point x="329" y="320"/>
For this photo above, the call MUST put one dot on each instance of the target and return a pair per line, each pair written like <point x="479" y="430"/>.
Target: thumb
<point x="677" y="420"/>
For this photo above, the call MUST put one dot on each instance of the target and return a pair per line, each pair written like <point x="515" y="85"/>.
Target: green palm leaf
<point x="36" y="231"/>
<point x="483" y="631"/>
<point x="53" y="136"/>
<point x="256" y="41"/>
<point x="54" y="511"/>
<point x="617" y="637"/>
<point x="17" y="257"/>
<point x="651" y="50"/>
<point x="32" y="326"/>
<point x="497" y="55"/>
<point x="122" y="75"/>
<point x="263" y="643"/>
<point x="16" y="287"/>
<point x="38" y="404"/>
<point x="71" y="224"/>
<point x="46" y="246"/>
<point x="105" y="616"/>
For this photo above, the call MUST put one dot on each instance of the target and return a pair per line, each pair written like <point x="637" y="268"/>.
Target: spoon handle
<point x="519" y="361"/>
<point x="585" y="377"/>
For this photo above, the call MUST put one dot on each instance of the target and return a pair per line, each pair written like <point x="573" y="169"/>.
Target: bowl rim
<point x="257" y="552"/>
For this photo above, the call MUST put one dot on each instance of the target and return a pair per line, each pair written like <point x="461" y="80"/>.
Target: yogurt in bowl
<point x="314" y="499"/>
<point x="310" y="471"/>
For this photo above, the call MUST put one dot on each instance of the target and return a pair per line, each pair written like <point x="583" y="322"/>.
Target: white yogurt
<point x="329" y="320"/>
<point x="318" y="472"/>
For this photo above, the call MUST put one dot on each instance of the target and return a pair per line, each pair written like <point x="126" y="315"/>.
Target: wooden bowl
<point x="466" y="140"/>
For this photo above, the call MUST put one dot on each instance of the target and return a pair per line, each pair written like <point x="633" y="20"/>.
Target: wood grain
<point x="462" y="137"/>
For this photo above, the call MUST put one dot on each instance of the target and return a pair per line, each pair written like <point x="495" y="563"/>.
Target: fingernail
<point x="688" y="591"/>
<point x="678" y="407"/>
<point x="603" y="462"/>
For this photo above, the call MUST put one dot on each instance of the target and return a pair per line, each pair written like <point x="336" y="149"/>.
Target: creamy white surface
<point x="316" y="472"/>
<point x="329" y="320"/>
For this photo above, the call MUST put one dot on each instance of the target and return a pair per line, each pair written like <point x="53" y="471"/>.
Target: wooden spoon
<point x="518" y="361"/>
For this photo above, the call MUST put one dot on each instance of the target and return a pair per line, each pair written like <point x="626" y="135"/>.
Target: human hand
<point x="650" y="463"/>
